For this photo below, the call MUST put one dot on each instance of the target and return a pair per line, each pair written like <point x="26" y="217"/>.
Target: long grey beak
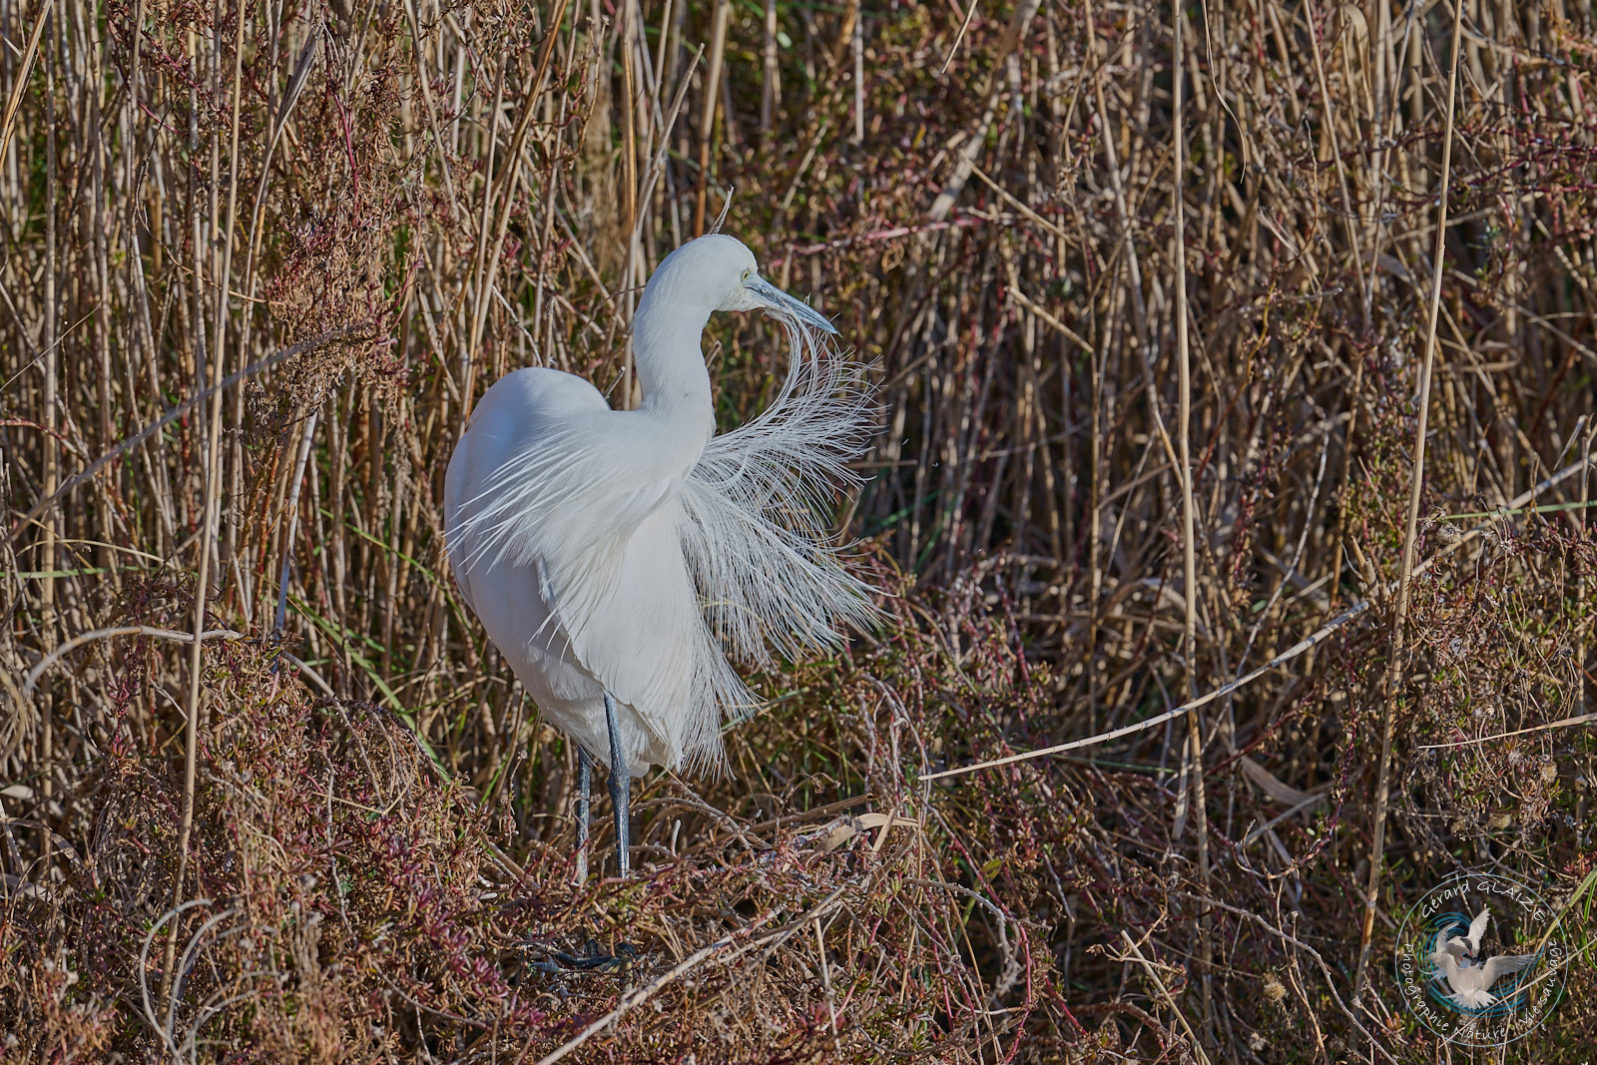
<point x="779" y="303"/>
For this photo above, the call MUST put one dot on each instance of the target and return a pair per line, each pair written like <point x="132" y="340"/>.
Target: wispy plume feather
<point x="759" y="504"/>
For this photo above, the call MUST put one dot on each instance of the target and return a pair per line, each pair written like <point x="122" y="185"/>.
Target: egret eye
<point x="747" y="274"/>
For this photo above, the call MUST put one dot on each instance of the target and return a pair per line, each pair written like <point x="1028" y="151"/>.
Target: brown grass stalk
<point x="1396" y="663"/>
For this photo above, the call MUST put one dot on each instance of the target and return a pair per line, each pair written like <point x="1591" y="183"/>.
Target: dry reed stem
<point x="1586" y="463"/>
<point x="1189" y="544"/>
<point x="67" y="646"/>
<point x="1164" y="992"/>
<point x="214" y="367"/>
<point x="712" y="99"/>
<point x="29" y="54"/>
<point x="1396" y="663"/>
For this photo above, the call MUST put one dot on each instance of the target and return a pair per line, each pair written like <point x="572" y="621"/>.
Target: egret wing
<point x="456" y="484"/>
<point x="553" y="483"/>
<point x="1477" y="929"/>
<point x="1503" y="964"/>
<point x="646" y="639"/>
<point x="554" y="480"/>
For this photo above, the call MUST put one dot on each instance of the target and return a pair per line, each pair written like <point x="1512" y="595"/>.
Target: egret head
<point x="722" y="271"/>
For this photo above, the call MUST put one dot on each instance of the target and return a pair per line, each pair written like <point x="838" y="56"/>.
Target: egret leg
<point x="620" y="786"/>
<point x="584" y="806"/>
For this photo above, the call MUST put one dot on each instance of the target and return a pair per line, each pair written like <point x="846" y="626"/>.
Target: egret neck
<point x="667" y="332"/>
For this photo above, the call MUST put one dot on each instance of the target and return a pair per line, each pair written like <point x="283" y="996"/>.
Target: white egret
<point x="614" y="557"/>
<point x="1468" y="977"/>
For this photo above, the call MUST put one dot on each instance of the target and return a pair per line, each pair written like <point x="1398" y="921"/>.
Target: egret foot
<point x="620" y="787"/>
<point x="558" y="962"/>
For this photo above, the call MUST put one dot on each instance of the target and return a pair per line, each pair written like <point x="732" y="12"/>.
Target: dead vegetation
<point x="259" y="258"/>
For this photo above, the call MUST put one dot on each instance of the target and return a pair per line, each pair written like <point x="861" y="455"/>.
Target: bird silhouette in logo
<point x="1466" y="974"/>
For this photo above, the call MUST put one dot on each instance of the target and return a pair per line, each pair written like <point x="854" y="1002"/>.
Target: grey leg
<point x="584" y="780"/>
<point x="620" y="787"/>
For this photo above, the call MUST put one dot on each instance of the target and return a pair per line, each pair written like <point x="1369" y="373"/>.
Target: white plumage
<point x="1468" y="977"/>
<point x="627" y="551"/>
